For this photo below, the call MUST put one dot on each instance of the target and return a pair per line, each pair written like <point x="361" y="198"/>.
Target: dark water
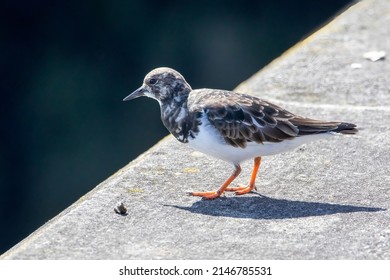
<point x="66" y="65"/>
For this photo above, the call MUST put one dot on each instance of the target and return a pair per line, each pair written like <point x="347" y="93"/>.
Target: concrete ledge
<point x="325" y="200"/>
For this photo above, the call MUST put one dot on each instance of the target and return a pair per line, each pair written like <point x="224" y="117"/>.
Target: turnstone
<point x="230" y="126"/>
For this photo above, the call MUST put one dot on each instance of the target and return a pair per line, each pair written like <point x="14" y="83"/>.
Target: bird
<point x="230" y="126"/>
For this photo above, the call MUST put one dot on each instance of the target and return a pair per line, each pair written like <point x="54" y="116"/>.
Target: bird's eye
<point x="152" y="81"/>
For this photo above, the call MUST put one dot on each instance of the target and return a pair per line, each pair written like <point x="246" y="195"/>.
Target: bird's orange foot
<point x="241" y="189"/>
<point x="206" y="195"/>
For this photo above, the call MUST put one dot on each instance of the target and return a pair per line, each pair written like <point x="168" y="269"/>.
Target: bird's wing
<point x="242" y="118"/>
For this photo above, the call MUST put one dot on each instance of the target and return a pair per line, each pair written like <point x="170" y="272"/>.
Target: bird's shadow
<point x="263" y="207"/>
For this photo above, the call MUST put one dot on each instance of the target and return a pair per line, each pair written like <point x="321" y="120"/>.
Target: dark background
<point x="66" y="66"/>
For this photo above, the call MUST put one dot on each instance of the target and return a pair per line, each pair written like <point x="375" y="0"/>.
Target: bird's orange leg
<point x="242" y="189"/>
<point x="221" y="190"/>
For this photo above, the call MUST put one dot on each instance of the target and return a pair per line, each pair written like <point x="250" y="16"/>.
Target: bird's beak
<point x="139" y="92"/>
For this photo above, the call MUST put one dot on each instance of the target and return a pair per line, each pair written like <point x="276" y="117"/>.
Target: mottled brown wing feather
<point x="242" y="118"/>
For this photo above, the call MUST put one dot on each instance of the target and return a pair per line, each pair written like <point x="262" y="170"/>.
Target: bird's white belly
<point x="210" y="142"/>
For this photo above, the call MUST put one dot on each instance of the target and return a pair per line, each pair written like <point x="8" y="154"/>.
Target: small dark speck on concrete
<point x="121" y="209"/>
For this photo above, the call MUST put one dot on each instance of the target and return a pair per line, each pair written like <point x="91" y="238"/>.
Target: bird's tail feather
<point x="346" y="128"/>
<point x="310" y="126"/>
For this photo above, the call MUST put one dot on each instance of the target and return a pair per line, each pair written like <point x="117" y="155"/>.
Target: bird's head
<point x="163" y="84"/>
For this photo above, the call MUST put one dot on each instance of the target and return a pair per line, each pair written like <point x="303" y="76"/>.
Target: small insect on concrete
<point x="121" y="209"/>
